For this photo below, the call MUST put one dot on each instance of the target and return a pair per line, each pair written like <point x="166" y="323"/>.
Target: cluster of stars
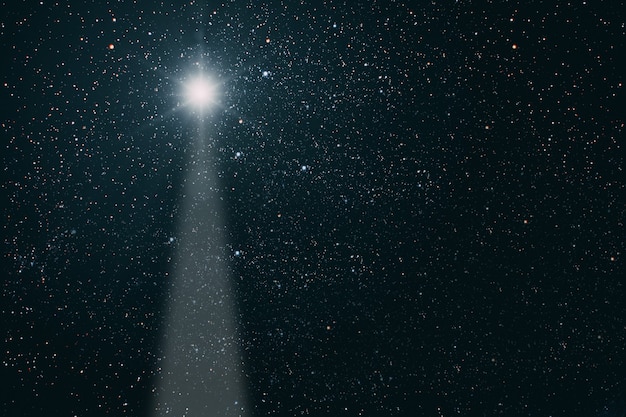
<point x="423" y="207"/>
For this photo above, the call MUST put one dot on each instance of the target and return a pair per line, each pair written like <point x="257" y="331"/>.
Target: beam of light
<point x="201" y="367"/>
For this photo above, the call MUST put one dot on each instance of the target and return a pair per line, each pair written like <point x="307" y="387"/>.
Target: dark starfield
<point x="414" y="208"/>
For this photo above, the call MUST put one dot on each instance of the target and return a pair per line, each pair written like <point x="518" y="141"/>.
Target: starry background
<point x="424" y="202"/>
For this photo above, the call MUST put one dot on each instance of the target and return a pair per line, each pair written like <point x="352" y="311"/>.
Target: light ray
<point x="201" y="368"/>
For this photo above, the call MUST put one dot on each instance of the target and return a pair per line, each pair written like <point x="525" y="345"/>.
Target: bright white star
<point x="200" y="93"/>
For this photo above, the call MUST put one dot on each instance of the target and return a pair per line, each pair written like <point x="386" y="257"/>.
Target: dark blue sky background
<point x="424" y="202"/>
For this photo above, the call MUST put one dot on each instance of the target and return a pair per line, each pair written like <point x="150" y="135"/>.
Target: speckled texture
<point x="402" y="209"/>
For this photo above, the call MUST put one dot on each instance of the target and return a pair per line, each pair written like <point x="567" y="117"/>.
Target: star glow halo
<point x="201" y="93"/>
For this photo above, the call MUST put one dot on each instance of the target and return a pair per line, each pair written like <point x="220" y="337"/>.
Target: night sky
<point x="416" y="208"/>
